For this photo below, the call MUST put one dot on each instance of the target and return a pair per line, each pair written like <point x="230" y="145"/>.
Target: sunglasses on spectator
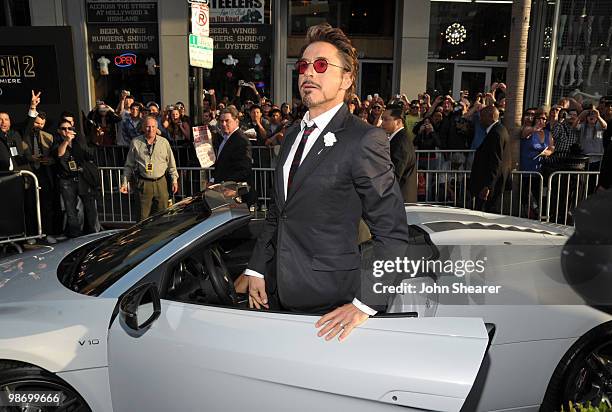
<point x="67" y="128"/>
<point x="319" y="65"/>
<point x="377" y="107"/>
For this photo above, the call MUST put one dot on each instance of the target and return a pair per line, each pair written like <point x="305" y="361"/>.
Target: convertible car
<point x="147" y="319"/>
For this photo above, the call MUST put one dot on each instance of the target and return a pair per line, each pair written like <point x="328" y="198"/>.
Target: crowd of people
<point x="64" y="159"/>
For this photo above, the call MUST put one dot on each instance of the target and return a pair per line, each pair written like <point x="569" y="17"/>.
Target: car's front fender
<point x="57" y="336"/>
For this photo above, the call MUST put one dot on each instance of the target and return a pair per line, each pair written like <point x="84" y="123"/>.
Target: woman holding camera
<point x="427" y="139"/>
<point x="102" y="124"/>
<point x="537" y="143"/>
<point x="178" y="127"/>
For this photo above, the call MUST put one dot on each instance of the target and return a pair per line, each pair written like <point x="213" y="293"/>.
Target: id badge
<point x="72" y="166"/>
<point x="149" y="168"/>
<point x="14" y="151"/>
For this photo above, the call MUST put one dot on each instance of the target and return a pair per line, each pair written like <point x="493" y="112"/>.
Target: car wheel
<point x="21" y="377"/>
<point x="584" y="374"/>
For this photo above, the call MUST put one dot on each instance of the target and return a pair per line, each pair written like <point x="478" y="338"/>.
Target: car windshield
<point x="94" y="267"/>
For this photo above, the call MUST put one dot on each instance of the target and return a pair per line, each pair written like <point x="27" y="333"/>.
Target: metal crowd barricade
<point x="450" y="188"/>
<point x="565" y="190"/>
<point x="14" y="238"/>
<point x="118" y="208"/>
<point x="184" y="155"/>
<point x="114" y="206"/>
<point x="444" y="159"/>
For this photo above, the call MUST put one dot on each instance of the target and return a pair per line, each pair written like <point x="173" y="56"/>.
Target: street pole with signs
<point x="200" y="50"/>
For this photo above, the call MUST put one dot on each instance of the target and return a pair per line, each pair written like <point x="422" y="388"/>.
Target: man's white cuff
<point x="32" y="113"/>
<point x="365" y="309"/>
<point x="250" y="272"/>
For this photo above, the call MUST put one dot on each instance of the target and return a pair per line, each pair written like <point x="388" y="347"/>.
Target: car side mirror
<point x="141" y="306"/>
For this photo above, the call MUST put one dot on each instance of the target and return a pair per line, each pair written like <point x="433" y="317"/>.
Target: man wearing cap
<point x="149" y="160"/>
<point x="130" y="125"/>
<point x="153" y="109"/>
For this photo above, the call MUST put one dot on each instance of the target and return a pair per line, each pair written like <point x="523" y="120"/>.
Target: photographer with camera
<point x="591" y="129"/>
<point x="102" y="121"/>
<point x="75" y="156"/>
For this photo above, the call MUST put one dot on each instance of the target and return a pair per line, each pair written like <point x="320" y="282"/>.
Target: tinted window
<point x="93" y="268"/>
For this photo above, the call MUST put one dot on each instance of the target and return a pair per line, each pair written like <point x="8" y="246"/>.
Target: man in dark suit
<point x="43" y="166"/>
<point x="492" y="163"/>
<point x="333" y="169"/>
<point x="403" y="155"/>
<point x="233" y="150"/>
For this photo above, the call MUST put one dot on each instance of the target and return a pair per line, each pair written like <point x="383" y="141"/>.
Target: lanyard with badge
<point x="150" y="150"/>
<point x="13" y="149"/>
<point x="72" y="165"/>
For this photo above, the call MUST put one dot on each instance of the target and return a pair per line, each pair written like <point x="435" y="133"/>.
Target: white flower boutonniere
<point x="329" y="139"/>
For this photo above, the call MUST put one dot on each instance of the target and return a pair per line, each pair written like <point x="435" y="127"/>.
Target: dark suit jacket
<point x="492" y="162"/>
<point x="403" y="157"/>
<point x="234" y="162"/>
<point x="310" y="239"/>
<point x="24" y="156"/>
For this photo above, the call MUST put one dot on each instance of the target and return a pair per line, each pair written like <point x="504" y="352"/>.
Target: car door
<point x="194" y="358"/>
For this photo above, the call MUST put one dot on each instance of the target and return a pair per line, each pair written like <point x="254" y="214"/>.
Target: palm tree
<point x="517" y="67"/>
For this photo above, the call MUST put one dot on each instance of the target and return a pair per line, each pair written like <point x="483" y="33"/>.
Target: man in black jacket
<point x="15" y="154"/>
<point x="233" y="150"/>
<point x="72" y="153"/>
<point x="403" y="155"/>
<point x="492" y="163"/>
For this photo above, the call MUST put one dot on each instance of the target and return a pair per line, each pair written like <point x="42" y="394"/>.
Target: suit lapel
<point x="318" y="151"/>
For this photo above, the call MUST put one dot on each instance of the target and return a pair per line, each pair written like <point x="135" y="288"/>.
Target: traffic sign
<point x="200" y="51"/>
<point x="199" y="19"/>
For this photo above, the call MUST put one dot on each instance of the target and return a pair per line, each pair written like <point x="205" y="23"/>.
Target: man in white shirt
<point x="333" y="169"/>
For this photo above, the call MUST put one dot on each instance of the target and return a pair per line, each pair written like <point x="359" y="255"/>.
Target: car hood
<point x="33" y="274"/>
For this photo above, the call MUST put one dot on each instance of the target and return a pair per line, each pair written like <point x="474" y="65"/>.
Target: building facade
<point x="438" y="46"/>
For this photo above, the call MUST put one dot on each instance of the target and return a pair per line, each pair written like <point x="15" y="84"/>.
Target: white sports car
<point x="146" y="319"/>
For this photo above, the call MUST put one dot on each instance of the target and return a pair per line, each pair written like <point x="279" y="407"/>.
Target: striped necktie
<point x="298" y="154"/>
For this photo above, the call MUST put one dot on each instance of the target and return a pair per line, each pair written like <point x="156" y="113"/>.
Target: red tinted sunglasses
<point x="319" y="65"/>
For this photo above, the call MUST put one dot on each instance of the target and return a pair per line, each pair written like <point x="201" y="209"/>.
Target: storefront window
<point x="354" y="17"/>
<point x="584" y="68"/>
<point x="440" y="79"/>
<point x="376" y="78"/>
<point x="243" y="49"/>
<point x="469" y="31"/>
<point x="124" y="49"/>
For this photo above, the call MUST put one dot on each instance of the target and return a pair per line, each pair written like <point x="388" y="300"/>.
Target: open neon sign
<point x="125" y="60"/>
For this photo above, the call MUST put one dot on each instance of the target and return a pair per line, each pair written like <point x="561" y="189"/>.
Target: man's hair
<point x="348" y="54"/>
<point x="271" y="113"/>
<point x="42" y="115"/>
<point x="136" y="104"/>
<point x="395" y="111"/>
<point x="231" y="110"/>
<point x="255" y="106"/>
<point x="67" y="114"/>
<point x="62" y="121"/>
<point x="148" y="117"/>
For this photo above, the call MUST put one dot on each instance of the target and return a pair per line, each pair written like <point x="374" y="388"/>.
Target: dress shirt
<point x="392" y="135"/>
<point x="490" y="127"/>
<point x="321" y="122"/>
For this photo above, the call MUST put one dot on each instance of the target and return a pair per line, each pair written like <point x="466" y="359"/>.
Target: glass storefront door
<point x="473" y="79"/>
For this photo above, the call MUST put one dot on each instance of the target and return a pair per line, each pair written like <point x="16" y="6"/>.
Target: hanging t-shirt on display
<point x="150" y="62"/>
<point x="103" y="62"/>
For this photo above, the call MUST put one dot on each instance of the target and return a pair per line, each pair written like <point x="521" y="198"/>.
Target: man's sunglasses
<point x="319" y="65"/>
<point x="71" y="129"/>
<point x="377" y="107"/>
